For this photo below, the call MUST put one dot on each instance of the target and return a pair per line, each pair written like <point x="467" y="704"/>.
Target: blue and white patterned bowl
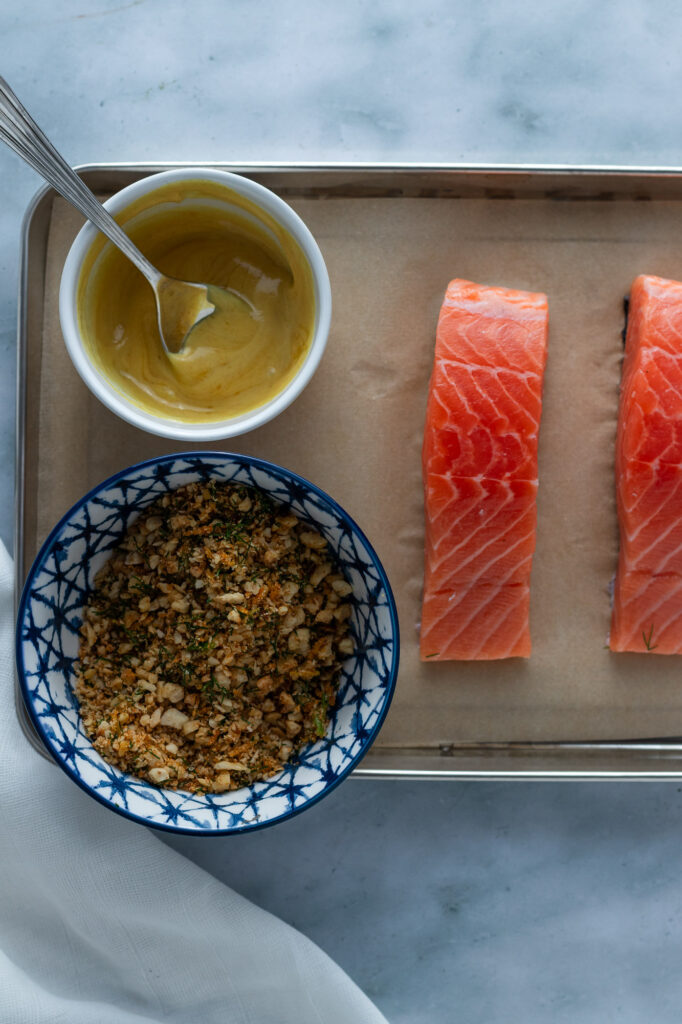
<point x="47" y="644"/>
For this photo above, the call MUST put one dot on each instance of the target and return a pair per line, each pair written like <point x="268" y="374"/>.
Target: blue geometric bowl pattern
<point x="47" y="640"/>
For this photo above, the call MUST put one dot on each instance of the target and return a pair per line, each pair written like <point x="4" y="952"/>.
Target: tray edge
<point x="445" y="773"/>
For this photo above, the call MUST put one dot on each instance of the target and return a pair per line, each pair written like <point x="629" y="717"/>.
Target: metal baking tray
<point x="630" y="758"/>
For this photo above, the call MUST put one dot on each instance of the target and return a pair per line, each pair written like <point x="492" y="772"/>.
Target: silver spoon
<point x="180" y="305"/>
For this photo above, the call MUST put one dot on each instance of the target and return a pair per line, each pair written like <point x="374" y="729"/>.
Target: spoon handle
<point x="20" y="132"/>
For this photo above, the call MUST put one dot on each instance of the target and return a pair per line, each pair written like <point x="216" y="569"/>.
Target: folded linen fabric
<point x="101" y="923"/>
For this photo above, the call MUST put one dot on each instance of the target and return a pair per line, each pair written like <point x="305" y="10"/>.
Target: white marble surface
<point x="458" y="903"/>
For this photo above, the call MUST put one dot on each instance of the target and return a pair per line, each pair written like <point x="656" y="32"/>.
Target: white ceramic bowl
<point x="277" y="209"/>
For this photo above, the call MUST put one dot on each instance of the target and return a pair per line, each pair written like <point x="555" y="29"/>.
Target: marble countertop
<point x="478" y="902"/>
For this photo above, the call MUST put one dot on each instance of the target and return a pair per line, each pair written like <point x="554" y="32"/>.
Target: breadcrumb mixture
<point x="212" y="641"/>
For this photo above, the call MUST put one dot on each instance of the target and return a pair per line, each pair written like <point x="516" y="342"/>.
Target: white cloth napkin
<point x="101" y="923"/>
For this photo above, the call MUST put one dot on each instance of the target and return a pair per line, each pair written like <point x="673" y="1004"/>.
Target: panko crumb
<point x="212" y="642"/>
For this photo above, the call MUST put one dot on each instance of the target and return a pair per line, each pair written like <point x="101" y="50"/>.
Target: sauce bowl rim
<point x="113" y="399"/>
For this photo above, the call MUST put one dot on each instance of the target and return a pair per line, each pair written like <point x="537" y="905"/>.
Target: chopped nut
<point x="173" y="719"/>
<point x="293" y="619"/>
<point x="287" y="701"/>
<point x="172" y="692"/>
<point x="320" y="573"/>
<point x="289" y="590"/>
<point x="203" y="738"/>
<point x="159" y="775"/>
<point x="313" y="540"/>
<point x="323" y="649"/>
<point x="222" y="782"/>
<point x="299" y="641"/>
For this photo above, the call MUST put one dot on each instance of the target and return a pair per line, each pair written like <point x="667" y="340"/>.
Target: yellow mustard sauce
<point x="235" y="360"/>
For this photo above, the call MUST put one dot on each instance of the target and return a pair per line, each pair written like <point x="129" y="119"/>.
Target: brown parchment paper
<point x="357" y="431"/>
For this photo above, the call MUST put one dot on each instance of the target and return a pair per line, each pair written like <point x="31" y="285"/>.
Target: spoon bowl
<point x="180" y="306"/>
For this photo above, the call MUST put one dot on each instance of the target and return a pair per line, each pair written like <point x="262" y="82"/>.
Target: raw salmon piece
<point x="647" y="603"/>
<point x="480" y="472"/>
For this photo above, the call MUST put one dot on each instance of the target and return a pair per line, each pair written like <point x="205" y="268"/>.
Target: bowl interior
<point x="47" y="644"/>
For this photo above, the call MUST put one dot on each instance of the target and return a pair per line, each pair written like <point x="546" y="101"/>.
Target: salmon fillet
<point x="647" y="601"/>
<point x="481" y="472"/>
